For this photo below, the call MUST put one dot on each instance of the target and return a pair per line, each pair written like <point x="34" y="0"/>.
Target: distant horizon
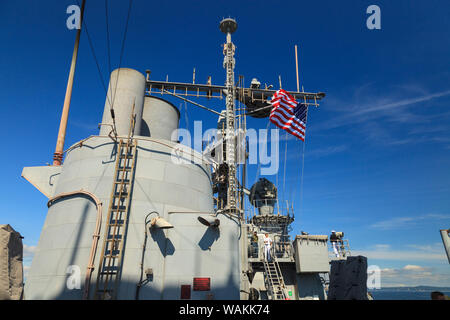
<point x="434" y="287"/>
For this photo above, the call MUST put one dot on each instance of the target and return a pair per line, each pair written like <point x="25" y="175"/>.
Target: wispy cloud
<point x="323" y="152"/>
<point x="28" y="251"/>
<point x="409" y="254"/>
<point x="399" y="103"/>
<point x="382" y="107"/>
<point x="416" y="260"/>
<point x="428" y="129"/>
<point x="434" y="248"/>
<point x="393" y="116"/>
<point x="405" y="222"/>
<point x="413" y="275"/>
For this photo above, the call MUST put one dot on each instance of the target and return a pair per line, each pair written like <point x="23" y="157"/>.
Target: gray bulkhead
<point x="179" y="193"/>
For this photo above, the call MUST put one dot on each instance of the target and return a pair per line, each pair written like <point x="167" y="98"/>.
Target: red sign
<point x="185" y="291"/>
<point x="202" y="284"/>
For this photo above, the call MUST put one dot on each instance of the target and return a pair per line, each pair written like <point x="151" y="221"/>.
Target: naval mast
<point x="228" y="26"/>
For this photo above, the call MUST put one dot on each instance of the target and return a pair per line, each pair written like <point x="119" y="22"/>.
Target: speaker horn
<point x="209" y="221"/>
<point x="160" y="223"/>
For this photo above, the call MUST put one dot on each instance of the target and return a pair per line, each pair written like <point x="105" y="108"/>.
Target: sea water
<point x="386" y="294"/>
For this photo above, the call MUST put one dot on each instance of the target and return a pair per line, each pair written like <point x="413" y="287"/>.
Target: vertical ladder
<point x="345" y="248"/>
<point x="112" y="252"/>
<point x="274" y="280"/>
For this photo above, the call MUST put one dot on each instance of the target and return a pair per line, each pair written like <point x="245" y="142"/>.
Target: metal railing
<point x="271" y="206"/>
<point x="281" y="248"/>
<point x="343" y="248"/>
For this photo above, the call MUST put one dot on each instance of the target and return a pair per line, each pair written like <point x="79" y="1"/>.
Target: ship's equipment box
<point x="311" y="253"/>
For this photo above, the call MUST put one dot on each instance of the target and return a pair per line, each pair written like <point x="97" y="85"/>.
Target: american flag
<point x="288" y="114"/>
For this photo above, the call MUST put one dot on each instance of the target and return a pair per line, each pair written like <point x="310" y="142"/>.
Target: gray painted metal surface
<point x="159" y="118"/>
<point x="126" y="87"/>
<point x="43" y="178"/>
<point x="176" y="191"/>
<point x="446" y="241"/>
<point x="311" y="254"/>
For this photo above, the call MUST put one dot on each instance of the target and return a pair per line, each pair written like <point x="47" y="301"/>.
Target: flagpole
<point x="296" y="68"/>
<point x="58" y="155"/>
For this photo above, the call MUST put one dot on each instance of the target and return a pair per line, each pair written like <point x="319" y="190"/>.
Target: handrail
<point x="343" y="248"/>
<point x="176" y="147"/>
<point x="95" y="236"/>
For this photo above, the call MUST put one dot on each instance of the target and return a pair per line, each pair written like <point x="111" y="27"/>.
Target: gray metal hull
<point x="178" y="192"/>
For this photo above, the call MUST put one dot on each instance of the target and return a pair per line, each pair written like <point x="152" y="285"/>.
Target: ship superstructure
<point x="133" y="214"/>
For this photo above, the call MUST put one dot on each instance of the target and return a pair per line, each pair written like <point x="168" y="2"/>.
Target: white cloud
<point x="382" y="246"/>
<point x="400" y="255"/>
<point x="414" y="253"/>
<point x="28" y="251"/>
<point x="391" y="107"/>
<point x="404" y="222"/>
<point x="393" y="117"/>
<point x="413" y="268"/>
<point x="26" y="269"/>
<point x="413" y="275"/>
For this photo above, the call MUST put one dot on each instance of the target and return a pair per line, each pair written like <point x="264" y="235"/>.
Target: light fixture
<point x="160" y="223"/>
<point x="209" y="221"/>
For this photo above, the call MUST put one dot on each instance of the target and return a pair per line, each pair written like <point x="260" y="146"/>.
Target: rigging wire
<point x="111" y="110"/>
<point x="123" y="48"/>
<point x="107" y="36"/>
<point x="258" y="169"/>
<point x="93" y="53"/>
<point x="91" y="46"/>
<point x="303" y="166"/>
<point x="276" y="181"/>
<point x="284" y="167"/>
<point x="186" y="118"/>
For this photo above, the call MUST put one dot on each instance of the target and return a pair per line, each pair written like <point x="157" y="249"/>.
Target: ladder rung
<point x="120" y="198"/>
<point x="109" y="268"/>
<point x="113" y="273"/>
<point x="119" y="208"/>
<point x="120" y="181"/>
<point x="114" y="256"/>
<point x="116" y="239"/>
<point x="116" y="222"/>
<point x="123" y="195"/>
<point x="126" y="156"/>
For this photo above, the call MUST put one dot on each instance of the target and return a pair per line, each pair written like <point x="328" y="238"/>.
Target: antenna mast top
<point x="228" y="25"/>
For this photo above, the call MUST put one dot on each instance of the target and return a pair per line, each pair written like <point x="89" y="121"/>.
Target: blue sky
<point x="377" y="154"/>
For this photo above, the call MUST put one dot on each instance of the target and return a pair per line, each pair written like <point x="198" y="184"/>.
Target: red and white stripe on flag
<point x="284" y="114"/>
